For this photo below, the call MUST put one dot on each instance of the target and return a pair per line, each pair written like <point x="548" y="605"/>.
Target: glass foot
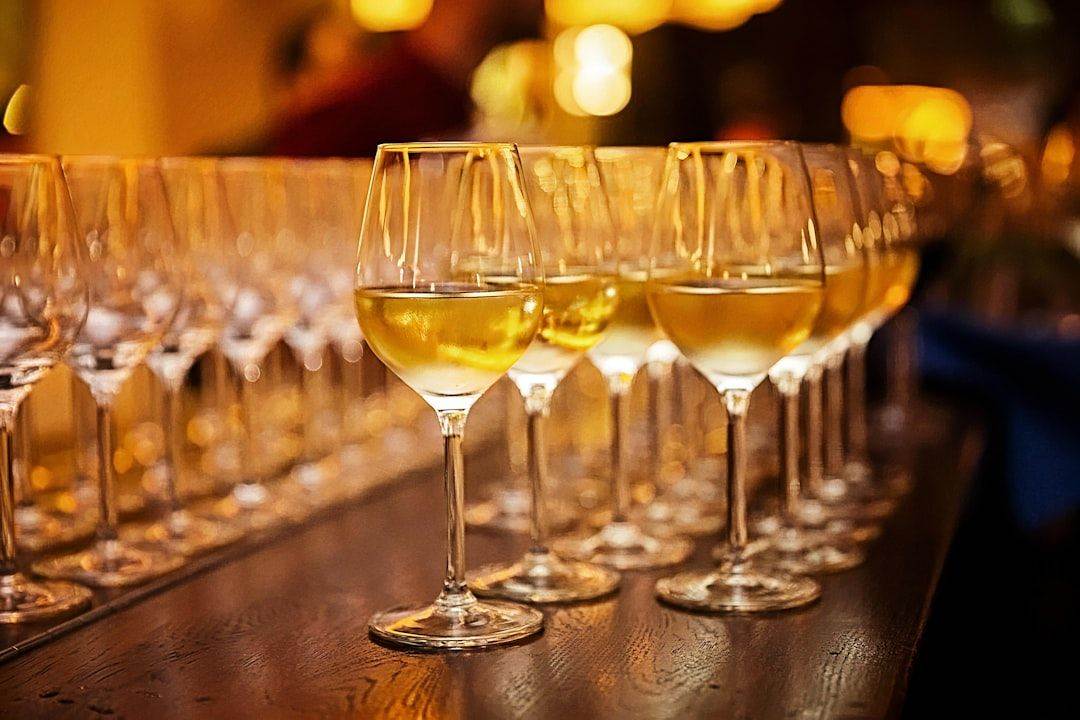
<point x="508" y="510"/>
<point x="854" y="501"/>
<point x="823" y="518"/>
<point x="25" y="600"/>
<point x="748" y="586"/>
<point x="545" y="578"/>
<point x="625" y="546"/>
<point x="112" y="563"/>
<point x="38" y="530"/>
<point x="250" y="514"/>
<point x="190" y="534"/>
<point x="674" y="516"/>
<point x="805" y="551"/>
<point x="456" y="622"/>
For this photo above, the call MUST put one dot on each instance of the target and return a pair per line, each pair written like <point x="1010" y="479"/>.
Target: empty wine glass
<point x="43" y="302"/>
<point x="575" y="236"/>
<point x="449" y="296"/>
<point x="624" y="542"/>
<point x="797" y="537"/>
<point x="736" y="282"/>
<point x="135" y="292"/>
<point x="193" y="331"/>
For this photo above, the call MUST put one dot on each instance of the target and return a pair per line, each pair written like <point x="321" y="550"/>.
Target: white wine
<point x="735" y="328"/>
<point x="449" y="339"/>
<point x="845" y="290"/>
<point x="632" y="330"/>
<point x="577" y="310"/>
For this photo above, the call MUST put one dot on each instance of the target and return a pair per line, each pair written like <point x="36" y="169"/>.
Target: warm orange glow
<point x="1058" y="155"/>
<point x="633" y="16"/>
<point x="17" y="113"/>
<point x="922" y="124"/>
<point x="390" y="15"/>
<point x="502" y="86"/>
<point x="716" y="14"/>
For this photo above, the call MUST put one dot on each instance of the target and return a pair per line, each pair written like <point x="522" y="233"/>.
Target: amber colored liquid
<point x="450" y="339"/>
<point x="845" y="289"/>
<point x="577" y="310"/>
<point x="889" y="283"/>
<point x="632" y="330"/>
<point x="735" y="328"/>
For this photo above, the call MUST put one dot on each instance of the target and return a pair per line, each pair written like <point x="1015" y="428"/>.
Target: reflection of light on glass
<point x="1004" y="167"/>
<point x="1058" y="155"/>
<point x="634" y="16"/>
<point x="922" y="124"/>
<point x="593" y="75"/>
<point x="17" y="113"/>
<point x="390" y="15"/>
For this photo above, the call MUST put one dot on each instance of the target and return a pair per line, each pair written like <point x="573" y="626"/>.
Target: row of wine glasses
<point x="744" y="260"/>
<point x="111" y="262"/>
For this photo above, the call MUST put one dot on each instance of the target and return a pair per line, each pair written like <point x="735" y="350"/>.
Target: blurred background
<point x="980" y="99"/>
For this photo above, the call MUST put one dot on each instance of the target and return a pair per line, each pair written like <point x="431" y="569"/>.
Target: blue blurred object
<point x="1029" y="384"/>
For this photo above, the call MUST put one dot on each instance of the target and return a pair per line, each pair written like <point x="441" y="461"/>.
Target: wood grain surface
<point x="281" y="632"/>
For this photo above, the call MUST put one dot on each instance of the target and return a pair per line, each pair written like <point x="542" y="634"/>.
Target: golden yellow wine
<point x="845" y="288"/>
<point x="449" y="339"/>
<point x="632" y="329"/>
<point x="889" y="283"/>
<point x="736" y="328"/>
<point x="577" y="310"/>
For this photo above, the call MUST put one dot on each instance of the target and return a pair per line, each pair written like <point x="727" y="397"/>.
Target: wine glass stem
<point x="788" y="385"/>
<point x="619" y="393"/>
<point x="737" y="402"/>
<point x="834" y="415"/>
<point x="452" y="423"/>
<point x="655" y="372"/>
<point x="7" y="491"/>
<point x="107" y="513"/>
<point x="537" y="407"/>
<point x="815" y="471"/>
<point x="171" y="454"/>
<point x="856" y="402"/>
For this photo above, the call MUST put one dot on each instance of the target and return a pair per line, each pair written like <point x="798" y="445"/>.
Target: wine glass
<point x="684" y="504"/>
<point x="575" y="236"/>
<point x="43" y="302"/>
<point x="624" y="543"/>
<point x="135" y="292"/>
<point x="895" y="270"/>
<point x="736" y="282"/>
<point x="236" y="206"/>
<point x="194" y="330"/>
<point x="449" y="296"/>
<point x="796" y="535"/>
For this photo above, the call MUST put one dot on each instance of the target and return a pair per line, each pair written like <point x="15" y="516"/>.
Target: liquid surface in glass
<point x="577" y="310"/>
<point x="449" y="339"/>
<point x="735" y="327"/>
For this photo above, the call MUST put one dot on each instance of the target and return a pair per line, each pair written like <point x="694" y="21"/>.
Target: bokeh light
<point x="593" y="76"/>
<point x="17" y="112"/>
<point x="633" y="16"/>
<point x="390" y="15"/>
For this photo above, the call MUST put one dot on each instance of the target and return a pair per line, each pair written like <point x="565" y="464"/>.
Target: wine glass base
<point x="509" y="511"/>
<point x="624" y="546"/>
<point x="248" y="517"/>
<point x="805" y="551"/>
<point x="854" y="501"/>
<point x="545" y="578"/>
<point x="24" y="600"/>
<point x="480" y="623"/>
<point x="747" y="587"/>
<point x="112" y="563"/>
<point x="813" y="515"/>
<point x="37" y="530"/>
<point x="190" y="534"/>
<point x="679" y="517"/>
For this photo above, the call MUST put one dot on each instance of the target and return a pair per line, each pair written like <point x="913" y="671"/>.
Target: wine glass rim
<point x="108" y="159"/>
<point x="600" y="149"/>
<point x="717" y="145"/>
<point x="445" y="146"/>
<point x="28" y="158"/>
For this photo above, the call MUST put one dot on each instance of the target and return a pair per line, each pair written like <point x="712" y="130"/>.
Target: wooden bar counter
<point x="281" y="631"/>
